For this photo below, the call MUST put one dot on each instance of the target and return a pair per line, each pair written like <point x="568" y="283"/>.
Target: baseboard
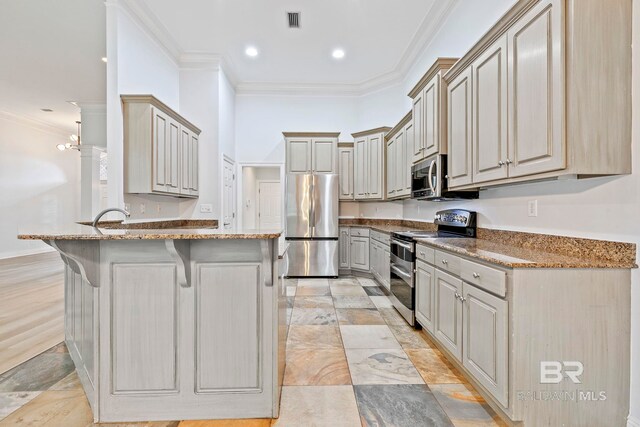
<point x="28" y="252"/>
<point x="633" y="421"/>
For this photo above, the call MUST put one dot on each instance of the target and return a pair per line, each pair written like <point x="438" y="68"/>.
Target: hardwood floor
<point x="31" y="307"/>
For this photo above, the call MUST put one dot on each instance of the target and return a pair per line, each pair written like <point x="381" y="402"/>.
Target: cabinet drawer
<point x="360" y="232"/>
<point x="380" y="237"/>
<point x="426" y="254"/>
<point x="448" y="262"/>
<point x="484" y="277"/>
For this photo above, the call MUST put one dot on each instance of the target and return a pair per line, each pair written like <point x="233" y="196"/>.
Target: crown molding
<point x="34" y="124"/>
<point x="431" y="24"/>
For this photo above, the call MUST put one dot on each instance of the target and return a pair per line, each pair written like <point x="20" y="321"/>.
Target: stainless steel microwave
<point x="429" y="181"/>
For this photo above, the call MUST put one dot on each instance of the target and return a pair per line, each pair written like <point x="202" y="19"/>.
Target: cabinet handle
<point x="476" y="275"/>
<point x="422" y="254"/>
<point x="508" y="162"/>
<point x="444" y="261"/>
<point x="500" y="163"/>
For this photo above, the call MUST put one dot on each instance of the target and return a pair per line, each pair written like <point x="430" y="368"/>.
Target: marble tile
<point x="249" y="422"/>
<point x="313" y="337"/>
<point x="291" y="282"/>
<point x="391" y="316"/>
<point x="374" y="291"/>
<point x="350" y="301"/>
<point x="465" y="407"/>
<point x="358" y="291"/>
<point x="323" y="406"/>
<point x="367" y="282"/>
<point x="313" y="316"/>
<point x="70" y="382"/>
<point x="381" y="302"/>
<point x="359" y="316"/>
<point x="290" y="302"/>
<point x="434" y="367"/>
<point x="368" y="336"/>
<point x="313" y="283"/>
<point x="316" y="367"/>
<point x="344" y="281"/>
<point x="37" y="374"/>
<point x="291" y="291"/>
<point x="381" y="366"/>
<point x="10" y="402"/>
<point x="408" y="337"/>
<point x="53" y="408"/>
<point x="313" y="302"/>
<point x="403" y="405"/>
<point x="313" y="291"/>
<point x="59" y="349"/>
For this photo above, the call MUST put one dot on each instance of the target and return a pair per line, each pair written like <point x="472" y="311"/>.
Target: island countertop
<point x="117" y="231"/>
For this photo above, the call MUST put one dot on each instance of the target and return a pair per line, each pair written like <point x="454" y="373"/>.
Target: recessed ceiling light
<point x="251" y="51"/>
<point x="104" y="59"/>
<point x="338" y="53"/>
<point x="46" y="110"/>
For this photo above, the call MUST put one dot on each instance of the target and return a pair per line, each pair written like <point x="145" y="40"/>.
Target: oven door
<point x="402" y="278"/>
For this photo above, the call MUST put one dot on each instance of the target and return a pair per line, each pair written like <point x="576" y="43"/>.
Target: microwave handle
<point x="429" y="176"/>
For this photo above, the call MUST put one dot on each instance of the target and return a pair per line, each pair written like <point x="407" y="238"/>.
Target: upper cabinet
<point x="429" y="118"/>
<point x="345" y="165"/>
<point x="311" y="152"/>
<point x="399" y="143"/>
<point x="160" y="149"/>
<point x="545" y="93"/>
<point x="368" y="166"/>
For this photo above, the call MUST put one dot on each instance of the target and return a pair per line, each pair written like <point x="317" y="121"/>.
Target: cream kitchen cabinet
<point x="369" y="152"/>
<point x="359" y="248"/>
<point x="448" y="312"/>
<point x="160" y="149"/>
<point x="527" y="102"/>
<point x="345" y="165"/>
<point x="399" y="141"/>
<point x="344" y="243"/>
<point x="429" y="112"/>
<point x="309" y="152"/>
<point x="425" y="294"/>
<point x="380" y="258"/>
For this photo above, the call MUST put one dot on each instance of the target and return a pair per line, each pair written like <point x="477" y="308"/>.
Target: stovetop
<point x="422" y="234"/>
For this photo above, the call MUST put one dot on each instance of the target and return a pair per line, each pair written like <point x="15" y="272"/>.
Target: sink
<point x="158" y="225"/>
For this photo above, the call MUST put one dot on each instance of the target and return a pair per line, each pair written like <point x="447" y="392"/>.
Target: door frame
<point x="268" y="181"/>
<point x="226" y="159"/>
<point x="239" y="200"/>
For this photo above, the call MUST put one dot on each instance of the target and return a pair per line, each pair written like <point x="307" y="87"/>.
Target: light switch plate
<point x="207" y="208"/>
<point x="532" y="208"/>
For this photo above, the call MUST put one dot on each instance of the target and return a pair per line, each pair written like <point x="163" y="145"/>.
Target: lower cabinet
<point x="448" y="312"/>
<point x="424" y="294"/>
<point x="380" y="258"/>
<point x="344" y="243"/>
<point x="359" y="253"/>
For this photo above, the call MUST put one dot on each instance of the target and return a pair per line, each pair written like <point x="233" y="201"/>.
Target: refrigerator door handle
<point x="312" y="207"/>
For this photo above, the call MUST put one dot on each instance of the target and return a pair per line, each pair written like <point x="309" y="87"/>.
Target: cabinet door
<point x="401" y="164"/>
<point x="374" y="258"/>
<point x="160" y="146"/>
<point x="345" y="248"/>
<point x="418" y="126"/>
<point x="536" y="100"/>
<point x="424" y="294"/>
<point x="409" y="136"/>
<point x="360" y="253"/>
<point x="485" y="349"/>
<point x="324" y="155"/>
<point x="448" y="312"/>
<point x="185" y="161"/>
<point x="345" y="164"/>
<point x="432" y="117"/>
<point x="299" y="155"/>
<point x="360" y="168"/>
<point x="391" y="167"/>
<point x="386" y="271"/>
<point x="490" y="113"/>
<point x="459" y="130"/>
<point x="194" y="165"/>
<point x="173" y="158"/>
<point x="375" y="173"/>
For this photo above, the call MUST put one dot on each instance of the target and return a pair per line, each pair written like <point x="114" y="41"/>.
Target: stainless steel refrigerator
<point x="312" y="225"/>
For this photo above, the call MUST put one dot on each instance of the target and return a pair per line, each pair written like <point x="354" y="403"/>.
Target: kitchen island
<point x="174" y="323"/>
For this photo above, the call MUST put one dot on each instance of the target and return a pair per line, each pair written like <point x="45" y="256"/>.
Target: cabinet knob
<point x="476" y="275"/>
<point x="444" y="261"/>
<point x="500" y="163"/>
<point x="508" y="162"/>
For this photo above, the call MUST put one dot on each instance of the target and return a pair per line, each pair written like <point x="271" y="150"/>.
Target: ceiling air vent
<point x="294" y="19"/>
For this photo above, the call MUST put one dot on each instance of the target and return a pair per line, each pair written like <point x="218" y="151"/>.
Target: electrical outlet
<point x="143" y="208"/>
<point x="206" y="208"/>
<point x="532" y="208"/>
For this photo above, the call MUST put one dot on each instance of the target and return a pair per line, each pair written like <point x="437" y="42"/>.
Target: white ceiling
<point x="377" y="35"/>
<point x="51" y="54"/>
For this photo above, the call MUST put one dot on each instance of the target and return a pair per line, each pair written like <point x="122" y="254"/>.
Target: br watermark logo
<point x="555" y="372"/>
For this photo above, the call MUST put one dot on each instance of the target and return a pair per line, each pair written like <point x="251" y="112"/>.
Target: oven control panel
<point x="455" y="218"/>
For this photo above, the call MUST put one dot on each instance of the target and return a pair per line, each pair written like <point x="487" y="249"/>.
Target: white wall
<point x="249" y="196"/>
<point x="39" y="184"/>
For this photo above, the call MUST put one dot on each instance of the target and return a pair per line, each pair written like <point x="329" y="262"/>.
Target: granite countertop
<point x="138" y="232"/>
<point x="387" y="226"/>
<point x="513" y="256"/>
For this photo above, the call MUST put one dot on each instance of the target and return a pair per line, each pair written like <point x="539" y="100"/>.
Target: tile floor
<point x="351" y="361"/>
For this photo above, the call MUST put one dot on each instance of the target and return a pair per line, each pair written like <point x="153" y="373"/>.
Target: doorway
<point x="228" y="194"/>
<point x="261" y="203"/>
<point x="269" y="204"/>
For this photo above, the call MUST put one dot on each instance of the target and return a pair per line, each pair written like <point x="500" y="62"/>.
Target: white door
<point x="424" y="295"/>
<point x="448" y="312"/>
<point x="269" y="205"/>
<point x="459" y="132"/>
<point x="228" y="196"/>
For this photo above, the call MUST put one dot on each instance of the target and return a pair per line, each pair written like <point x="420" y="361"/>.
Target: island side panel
<point x="202" y="350"/>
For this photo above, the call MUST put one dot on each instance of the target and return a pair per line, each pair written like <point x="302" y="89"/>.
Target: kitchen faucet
<point x="101" y="214"/>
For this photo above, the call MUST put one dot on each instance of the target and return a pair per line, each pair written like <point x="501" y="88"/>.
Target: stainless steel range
<point x="451" y="223"/>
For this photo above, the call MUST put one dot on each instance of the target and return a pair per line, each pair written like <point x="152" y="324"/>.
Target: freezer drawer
<point x="313" y="258"/>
